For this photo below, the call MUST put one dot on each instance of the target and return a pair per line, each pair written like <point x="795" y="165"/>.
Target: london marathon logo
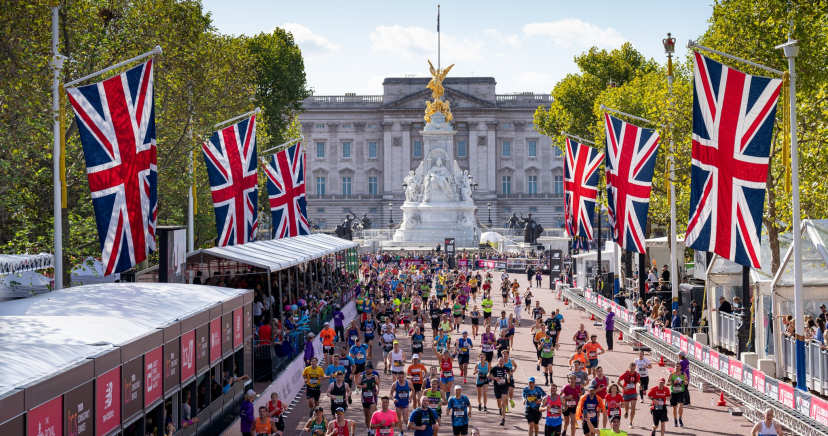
<point x="131" y="389"/>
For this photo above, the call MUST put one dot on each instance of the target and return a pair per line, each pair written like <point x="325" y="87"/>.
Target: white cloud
<point x="511" y="40"/>
<point x="420" y="43"/>
<point x="572" y="32"/>
<point x="311" y="44"/>
<point x="534" y="81"/>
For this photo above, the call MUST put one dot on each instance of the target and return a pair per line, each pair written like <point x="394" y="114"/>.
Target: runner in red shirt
<point x="659" y="394"/>
<point x="628" y="382"/>
<point x="571" y="394"/>
<point x="613" y="402"/>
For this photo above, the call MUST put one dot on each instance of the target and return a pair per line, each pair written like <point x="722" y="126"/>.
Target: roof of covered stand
<point x="275" y="254"/>
<point x="814" y="256"/>
<point x="12" y="263"/>
<point x="46" y="334"/>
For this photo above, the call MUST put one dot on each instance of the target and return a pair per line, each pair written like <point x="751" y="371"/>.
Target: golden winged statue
<point x="436" y="83"/>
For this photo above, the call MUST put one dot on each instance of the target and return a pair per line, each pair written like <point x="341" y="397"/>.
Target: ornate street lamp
<point x="489" y="206"/>
<point x="390" y="214"/>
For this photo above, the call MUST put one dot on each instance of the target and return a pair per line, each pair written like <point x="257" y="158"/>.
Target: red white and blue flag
<point x="116" y="122"/>
<point x="630" y="163"/>
<point x="733" y="117"/>
<point x="285" y="173"/>
<point x="580" y="187"/>
<point x="230" y="155"/>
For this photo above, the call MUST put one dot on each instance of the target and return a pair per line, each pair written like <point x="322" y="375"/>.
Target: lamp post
<point x="670" y="48"/>
<point x="390" y="214"/>
<point x="489" y="207"/>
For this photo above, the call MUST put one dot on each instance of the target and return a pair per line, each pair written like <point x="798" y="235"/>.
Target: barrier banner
<point x="714" y="359"/>
<point x="759" y="381"/>
<point x="786" y="395"/>
<point x="803" y="402"/>
<point x="819" y="410"/>
<point x="463" y="263"/>
<point x="724" y="365"/>
<point x="735" y="369"/>
<point x="409" y="262"/>
<point x="697" y="352"/>
<point x="747" y="375"/>
<point x="772" y="387"/>
<point x="683" y="343"/>
<point x="676" y="339"/>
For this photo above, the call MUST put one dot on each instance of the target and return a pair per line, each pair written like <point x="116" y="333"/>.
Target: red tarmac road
<point x="701" y="418"/>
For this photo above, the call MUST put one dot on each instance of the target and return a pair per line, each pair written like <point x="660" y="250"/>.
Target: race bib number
<point x="658" y="403"/>
<point x="367" y="395"/>
<point x="501" y="381"/>
<point x="313" y="380"/>
<point x="432" y="405"/>
<point x="630" y="385"/>
<point x="398" y="363"/>
<point x="385" y="431"/>
<point x="339" y="399"/>
<point x="360" y="356"/>
<point x="592" y="415"/>
<point x="402" y="395"/>
<point x="354" y="338"/>
<point x="447" y="374"/>
<point x="547" y="350"/>
<point x="415" y="377"/>
<point x="531" y="398"/>
<point x="571" y="403"/>
<point x="593" y="355"/>
<point x="554" y="412"/>
<point x="459" y="414"/>
<point x="615" y="412"/>
<point x="464" y="349"/>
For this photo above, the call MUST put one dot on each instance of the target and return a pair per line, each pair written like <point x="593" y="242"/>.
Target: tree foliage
<point x="202" y="77"/>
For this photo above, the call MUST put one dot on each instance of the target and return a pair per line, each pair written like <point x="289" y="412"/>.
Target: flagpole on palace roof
<point x="669" y="48"/>
<point x="57" y="65"/>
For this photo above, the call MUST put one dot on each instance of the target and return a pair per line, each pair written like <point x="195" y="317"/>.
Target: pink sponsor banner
<point x="215" y="340"/>
<point x="463" y="263"/>
<point x="759" y="381"/>
<point x="46" y="419"/>
<point x="697" y="351"/>
<point x="714" y="359"/>
<point x="786" y="395"/>
<point x="188" y="367"/>
<point x="819" y="410"/>
<point x="153" y="362"/>
<point x="108" y="401"/>
<point x="238" y="327"/>
<point x="668" y="336"/>
<point x="683" y="340"/>
<point x="409" y="262"/>
<point x="735" y="369"/>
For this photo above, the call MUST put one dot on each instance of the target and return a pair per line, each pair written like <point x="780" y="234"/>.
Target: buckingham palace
<point x="360" y="147"/>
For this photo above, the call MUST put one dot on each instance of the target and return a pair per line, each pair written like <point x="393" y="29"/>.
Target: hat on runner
<point x="531" y="379"/>
<point x="681" y="354"/>
<point x="662" y="379"/>
<point x="340" y="410"/>
<point x="369" y="364"/>
<point x="251" y="393"/>
<point x="416" y="356"/>
<point x="615" y="418"/>
<point x="457" y="388"/>
<point x="327" y="323"/>
<point x="591" y="388"/>
<point x="396" y="342"/>
<point x="465" y="333"/>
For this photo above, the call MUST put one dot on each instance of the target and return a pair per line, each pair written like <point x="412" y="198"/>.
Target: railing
<point x="546" y="98"/>
<point x="341" y="197"/>
<point x="547" y="195"/>
<point x="505" y="231"/>
<point x="727" y="332"/>
<point x="816" y="363"/>
<point x="345" y="99"/>
<point x="754" y="402"/>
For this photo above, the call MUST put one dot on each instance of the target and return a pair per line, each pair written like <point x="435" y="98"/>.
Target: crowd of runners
<point x="449" y="314"/>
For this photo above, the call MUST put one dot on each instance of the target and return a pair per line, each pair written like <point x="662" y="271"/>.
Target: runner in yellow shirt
<point x="313" y="378"/>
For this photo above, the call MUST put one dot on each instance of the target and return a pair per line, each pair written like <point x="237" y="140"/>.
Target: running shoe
<point x="512" y="403"/>
<point x="681" y="423"/>
<point x="537" y="368"/>
<point x="464" y="381"/>
<point x="675" y="422"/>
<point x="485" y="409"/>
<point x="626" y="414"/>
<point x="502" y="422"/>
<point x="479" y="407"/>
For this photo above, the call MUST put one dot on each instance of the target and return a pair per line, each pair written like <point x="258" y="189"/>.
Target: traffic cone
<point x="722" y="400"/>
<point x="566" y="302"/>
<point x="661" y="362"/>
<point x="621" y="336"/>
<point x="592" y="317"/>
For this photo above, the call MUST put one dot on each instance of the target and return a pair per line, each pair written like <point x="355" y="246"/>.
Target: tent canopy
<point x="12" y="263"/>
<point x="814" y="256"/>
<point x="726" y="272"/>
<point x="490" y="237"/>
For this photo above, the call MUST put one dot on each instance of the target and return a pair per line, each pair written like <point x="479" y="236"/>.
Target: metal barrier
<point x="816" y="363"/>
<point x="754" y="403"/>
<point x="726" y="334"/>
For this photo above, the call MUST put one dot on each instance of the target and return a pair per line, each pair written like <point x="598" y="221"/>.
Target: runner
<point x="368" y="326"/>
<point x="446" y="369"/>
<point x="767" y="427"/>
<point x="571" y="394"/>
<point x="353" y="333"/>
<point x="532" y="396"/>
<point x="339" y="393"/>
<point x="482" y="372"/>
<point x="423" y="420"/>
<point x="328" y="336"/>
<point x="384" y="420"/>
<point x="387" y="340"/>
<point x="435" y="313"/>
<point x="275" y="409"/>
<point x="463" y="345"/>
<point x="511" y="364"/>
<point x="475" y="320"/>
<point x="578" y="356"/>
<point x="487" y="343"/>
<point x="580" y="336"/>
<point x="581" y="377"/>
<point x="459" y="408"/>
<point x="527" y="298"/>
<point x="263" y="425"/>
<point x="659" y="395"/>
<point x="341" y="426"/>
<point x="457" y="311"/>
<point x="591" y="349"/>
<point x="317" y="426"/>
<point x="553" y="405"/>
<point x="357" y="353"/>
<point x="435" y="398"/>
<point x="313" y="378"/>
<point x="538" y="333"/>
<point x="537" y="312"/>
<point x="518" y="302"/>
<point x="590" y="407"/>
<point x="487" y="304"/>
<point x="397" y="359"/>
<point x="334" y="367"/>
<point x="614" y="430"/>
<point x="417" y="339"/>
<point x="600" y="382"/>
<point x="369" y="383"/>
<point x="500" y="375"/>
<point x="642" y="365"/>
<point x="628" y="382"/>
<point x="678" y="388"/>
<point x="417" y="373"/>
<point x="401" y="392"/>
<point x="546" y="348"/>
<point x="613" y="400"/>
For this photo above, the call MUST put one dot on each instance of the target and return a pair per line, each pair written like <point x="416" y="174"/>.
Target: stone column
<point x="520" y="154"/>
<point x="387" y="157"/>
<point x="472" y="153"/>
<point x="359" y="150"/>
<point x="491" y="159"/>
<point x="332" y="154"/>
<point x="405" y="126"/>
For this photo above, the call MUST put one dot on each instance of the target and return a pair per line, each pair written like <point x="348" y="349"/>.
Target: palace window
<point x="533" y="209"/>
<point x="558" y="151"/>
<point x="346" y="126"/>
<point x="507" y="149"/>
<point x="373" y="186"/>
<point x="418" y="149"/>
<point x="320" y="149"/>
<point x="320" y="186"/>
<point x="372" y="126"/>
<point x="372" y="149"/>
<point x="320" y="210"/>
<point x="461" y="148"/>
<point x="346" y="186"/>
<point x="506" y="184"/>
<point x="533" y="184"/>
<point x="506" y="125"/>
<point x="346" y="149"/>
<point x="559" y="185"/>
<point x="533" y="148"/>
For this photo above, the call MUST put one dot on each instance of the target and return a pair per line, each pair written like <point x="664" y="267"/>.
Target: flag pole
<point x="57" y="65"/>
<point x="606" y="109"/>
<point x="577" y="137"/>
<point x="190" y="205"/>
<point x="438" y="37"/>
<point x="284" y="144"/>
<point x="791" y="51"/>
<point x="247" y="114"/>
<point x="153" y="52"/>
<point x="669" y="48"/>
<point x="692" y="45"/>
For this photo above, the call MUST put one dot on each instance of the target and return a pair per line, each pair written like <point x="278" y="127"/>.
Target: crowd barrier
<point x="816" y="363"/>
<point x="727" y="332"/>
<point x="797" y="410"/>
<point x="290" y="382"/>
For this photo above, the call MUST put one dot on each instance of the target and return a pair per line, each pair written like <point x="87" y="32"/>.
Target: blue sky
<point x="525" y="45"/>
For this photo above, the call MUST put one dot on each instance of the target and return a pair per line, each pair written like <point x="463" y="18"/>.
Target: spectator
<point x="676" y="321"/>
<point x="246" y="413"/>
<point x="609" y="326"/>
<point x="724" y="306"/>
<point x="695" y="313"/>
<point x="823" y="315"/>
<point x="737" y="305"/>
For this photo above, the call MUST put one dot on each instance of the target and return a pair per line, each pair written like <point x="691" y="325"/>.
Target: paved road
<point x="701" y="418"/>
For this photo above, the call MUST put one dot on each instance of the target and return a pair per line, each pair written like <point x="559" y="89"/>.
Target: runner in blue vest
<point x="401" y="391"/>
<point x="459" y="408"/>
<point x="532" y="396"/>
<point x="464" y="344"/>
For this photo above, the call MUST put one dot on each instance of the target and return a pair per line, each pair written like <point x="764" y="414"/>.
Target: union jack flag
<point x="630" y="163"/>
<point x="285" y="173"/>
<point x="116" y="122"/>
<point x="580" y="187"/>
<point x="733" y="117"/>
<point x="230" y="155"/>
